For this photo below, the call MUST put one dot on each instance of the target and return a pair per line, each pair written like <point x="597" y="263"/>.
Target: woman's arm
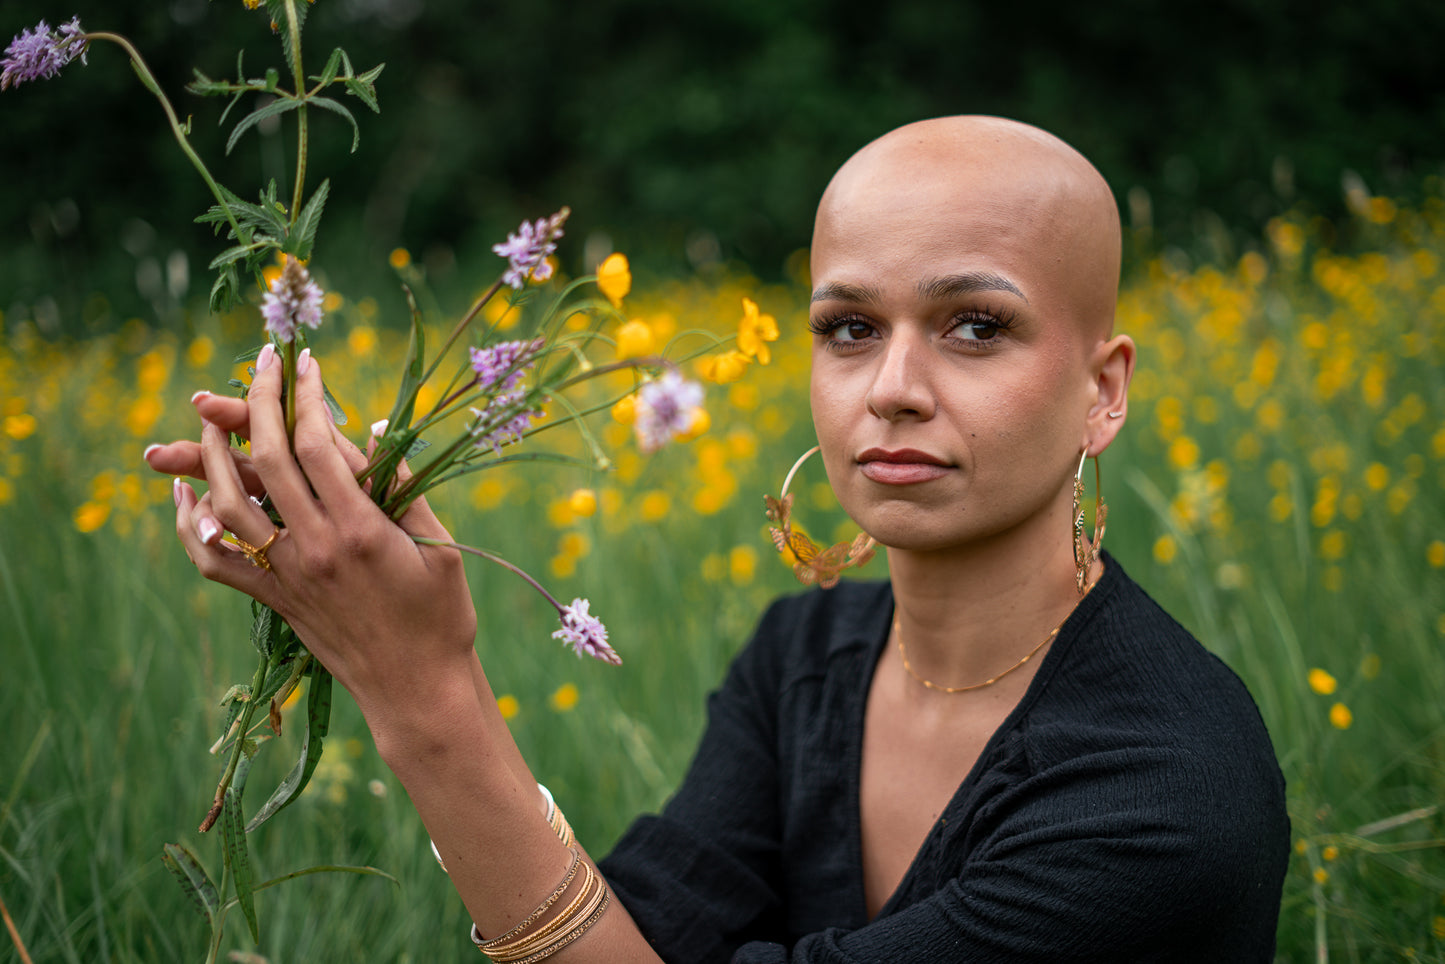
<point x="393" y="621"/>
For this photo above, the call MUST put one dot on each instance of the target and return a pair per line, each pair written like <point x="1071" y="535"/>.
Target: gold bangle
<point x="546" y="905"/>
<point x="572" y="935"/>
<point x="504" y="949"/>
<point x="561" y="930"/>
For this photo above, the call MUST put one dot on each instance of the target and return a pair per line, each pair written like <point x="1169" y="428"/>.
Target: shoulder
<point x="800" y="634"/>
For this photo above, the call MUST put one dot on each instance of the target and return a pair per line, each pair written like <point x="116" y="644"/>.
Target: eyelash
<point x="999" y="320"/>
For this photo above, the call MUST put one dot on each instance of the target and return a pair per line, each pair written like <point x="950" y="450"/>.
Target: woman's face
<point x="954" y="354"/>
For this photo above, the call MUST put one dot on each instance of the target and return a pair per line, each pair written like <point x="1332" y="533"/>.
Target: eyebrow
<point x="967" y="283"/>
<point x="933" y="289"/>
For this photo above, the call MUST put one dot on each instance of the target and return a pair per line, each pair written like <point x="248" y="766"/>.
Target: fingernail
<point x="149" y="449"/>
<point x="378" y="429"/>
<point x="176" y="491"/>
<point x="199" y="395"/>
<point x="209" y="530"/>
<point x="303" y="362"/>
<point x="267" y="356"/>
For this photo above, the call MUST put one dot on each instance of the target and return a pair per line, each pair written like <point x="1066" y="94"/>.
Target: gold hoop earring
<point x="1086" y="553"/>
<point x="813" y="565"/>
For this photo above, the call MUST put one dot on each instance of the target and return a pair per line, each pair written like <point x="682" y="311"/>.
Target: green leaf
<point x="332" y="405"/>
<point x="226" y="291"/>
<point x="265" y="628"/>
<point x="326" y="103"/>
<point x="302" y="234"/>
<point x="238" y="858"/>
<point x="318" y="721"/>
<point x="206" y="87"/>
<point x="333" y="66"/>
<point x="230" y="255"/>
<point x="277" y="107"/>
<point x="194" y="880"/>
<point x="363" y="88"/>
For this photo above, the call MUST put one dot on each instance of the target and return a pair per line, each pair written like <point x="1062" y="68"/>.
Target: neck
<point x="970" y="613"/>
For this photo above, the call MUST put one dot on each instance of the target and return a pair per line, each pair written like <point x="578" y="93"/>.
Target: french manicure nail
<point x="209" y="530"/>
<point x="176" y="490"/>
<point x="199" y="395"/>
<point x="267" y="356"/>
<point x="149" y="449"/>
<point x="303" y="362"/>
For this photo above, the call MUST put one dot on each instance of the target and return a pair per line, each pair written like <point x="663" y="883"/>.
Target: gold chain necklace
<point x="898" y="632"/>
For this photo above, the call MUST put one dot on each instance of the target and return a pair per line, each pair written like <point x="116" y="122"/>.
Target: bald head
<point x="1010" y="193"/>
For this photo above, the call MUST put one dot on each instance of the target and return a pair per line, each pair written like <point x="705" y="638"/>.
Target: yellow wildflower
<point x="755" y="331"/>
<point x="625" y="411"/>
<point x="583" y="503"/>
<point x="1165" y="550"/>
<point x="724" y="368"/>
<point x="634" y="340"/>
<point x="614" y="278"/>
<point x="1321" y="875"/>
<point x="1322" y="682"/>
<point x="742" y="564"/>
<point x="400" y="258"/>
<point x="701" y="422"/>
<point x="20" y="426"/>
<point x="1330" y="853"/>
<point x="1341" y="717"/>
<point x="91" y="516"/>
<point x="508" y="706"/>
<point x="1435" y="554"/>
<point x="564" y="697"/>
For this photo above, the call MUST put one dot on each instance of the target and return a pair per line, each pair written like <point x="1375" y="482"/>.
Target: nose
<point x="901" y="388"/>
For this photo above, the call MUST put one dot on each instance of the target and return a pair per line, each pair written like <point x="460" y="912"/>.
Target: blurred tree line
<point x="692" y="134"/>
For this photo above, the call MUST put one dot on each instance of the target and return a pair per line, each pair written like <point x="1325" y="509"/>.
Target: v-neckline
<point x="873" y="656"/>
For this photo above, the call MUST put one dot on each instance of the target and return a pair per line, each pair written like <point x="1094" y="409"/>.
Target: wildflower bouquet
<point x="502" y="393"/>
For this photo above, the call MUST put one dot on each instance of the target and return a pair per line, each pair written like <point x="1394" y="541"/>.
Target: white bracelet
<point x="551" y="809"/>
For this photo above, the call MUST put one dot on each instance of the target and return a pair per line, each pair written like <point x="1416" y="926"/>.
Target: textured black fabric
<point x="1129" y="809"/>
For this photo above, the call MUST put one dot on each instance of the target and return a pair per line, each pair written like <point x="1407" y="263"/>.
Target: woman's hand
<point x="388" y="618"/>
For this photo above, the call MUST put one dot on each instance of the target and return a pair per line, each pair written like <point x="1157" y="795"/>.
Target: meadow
<point x="1277" y="487"/>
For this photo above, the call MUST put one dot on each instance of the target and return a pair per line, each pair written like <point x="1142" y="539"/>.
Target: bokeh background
<point x="1278" y="166"/>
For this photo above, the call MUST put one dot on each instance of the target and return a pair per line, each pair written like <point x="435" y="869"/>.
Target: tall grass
<point x="1277" y="487"/>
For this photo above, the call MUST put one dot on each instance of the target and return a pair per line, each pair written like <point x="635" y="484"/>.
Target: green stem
<point x="149" y="81"/>
<point x="290" y="375"/>
<point x="294" y="30"/>
<point x="249" y="710"/>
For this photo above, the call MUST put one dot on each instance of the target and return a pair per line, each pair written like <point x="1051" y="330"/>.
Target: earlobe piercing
<point x="1116" y="414"/>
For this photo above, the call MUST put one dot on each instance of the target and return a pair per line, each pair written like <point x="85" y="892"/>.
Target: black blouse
<point x="1129" y="808"/>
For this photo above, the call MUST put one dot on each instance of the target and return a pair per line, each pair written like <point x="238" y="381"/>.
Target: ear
<point x="1113" y="366"/>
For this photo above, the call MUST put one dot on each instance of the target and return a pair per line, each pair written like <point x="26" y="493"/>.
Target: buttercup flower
<point x="614" y="278"/>
<point x="294" y="299"/>
<point x="40" y="53"/>
<point x="634" y="340"/>
<point x="585" y="633"/>
<point x="526" y="251"/>
<point x="665" y="410"/>
<point x="755" y="331"/>
<point x="724" y="368"/>
<point x="501" y="367"/>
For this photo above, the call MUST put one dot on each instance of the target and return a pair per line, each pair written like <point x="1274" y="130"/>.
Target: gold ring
<point x="257" y="554"/>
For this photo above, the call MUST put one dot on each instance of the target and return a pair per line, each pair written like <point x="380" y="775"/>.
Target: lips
<point x="901" y="466"/>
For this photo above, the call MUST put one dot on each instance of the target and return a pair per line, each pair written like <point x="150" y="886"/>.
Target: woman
<point x="998" y="755"/>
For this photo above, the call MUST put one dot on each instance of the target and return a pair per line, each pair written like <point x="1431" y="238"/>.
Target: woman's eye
<point x="852" y="331"/>
<point x="976" y="330"/>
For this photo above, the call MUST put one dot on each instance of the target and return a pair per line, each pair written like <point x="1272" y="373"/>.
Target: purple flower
<point x="502" y="367"/>
<point x="526" y="251"/>
<point x="41" y="52"/>
<point x="586" y="633"/>
<point x="504" y="421"/>
<point x="294" y="299"/>
<point x="665" y="410"/>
